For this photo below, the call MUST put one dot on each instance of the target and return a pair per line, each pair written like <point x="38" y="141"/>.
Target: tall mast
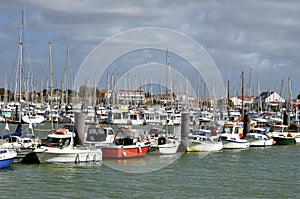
<point x="107" y="90"/>
<point x="243" y="94"/>
<point x="290" y="92"/>
<point x="41" y="90"/>
<point x="249" y="83"/>
<point x="21" y="63"/>
<point x="51" y="83"/>
<point x="5" y="100"/>
<point x="167" y="72"/>
<point x="66" y="76"/>
<point x="228" y="99"/>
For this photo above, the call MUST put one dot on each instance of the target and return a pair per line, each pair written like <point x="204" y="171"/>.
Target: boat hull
<point x="113" y="151"/>
<point x="163" y="149"/>
<point x="6" y="163"/>
<point x="33" y="119"/>
<point x="168" y="148"/>
<point x="204" y="146"/>
<point x="262" y="143"/>
<point x="21" y="154"/>
<point x="72" y="156"/>
<point x="280" y="140"/>
<point x="230" y="144"/>
<point x="6" y="158"/>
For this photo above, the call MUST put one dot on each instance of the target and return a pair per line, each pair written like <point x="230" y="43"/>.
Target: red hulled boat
<point x="126" y="143"/>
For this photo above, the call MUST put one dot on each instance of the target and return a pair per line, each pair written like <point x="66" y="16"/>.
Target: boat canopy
<point x="18" y="132"/>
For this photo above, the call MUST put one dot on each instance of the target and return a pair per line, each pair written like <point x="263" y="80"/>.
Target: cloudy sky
<point x="259" y="36"/>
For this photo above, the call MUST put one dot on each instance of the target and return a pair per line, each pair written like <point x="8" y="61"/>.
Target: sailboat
<point x="162" y="141"/>
<point x="21" y="145"/>
<point x="60" y="146"/>
<point x="232" y="133"/>
<point x="201" y="140"/>
<point x="33" y="118"/>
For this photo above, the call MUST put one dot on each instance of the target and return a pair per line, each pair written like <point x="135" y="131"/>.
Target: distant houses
<point x="269" y="99"/>
<point x="266" y="101"/>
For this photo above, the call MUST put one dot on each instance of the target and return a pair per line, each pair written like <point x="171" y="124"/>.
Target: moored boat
<point x="284" y="140"/>
<point x="162" y="143"/>
<point x="14" y="141"/>
<point x="234" y="142"/>
<point x="125" y="151"/>
<point x="202" y="141"/>
<point x="294" y="130"/>
<point x="257" y="138"/>
<point x="231" y="136"/>
<point x="118" y="117"/>
<point x="33" y="119"/>
<point x="22" y="145"/>
<point x="60" y="148"/>
<point x="282" y="136"/>
<point x="6" y="158"/>
<point x="124" y="143"/>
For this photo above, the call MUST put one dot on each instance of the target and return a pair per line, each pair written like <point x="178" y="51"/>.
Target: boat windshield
<point x="124" y="134"/>
<point x="57" y="142"/>
<point x="228" y="129"/>
<point x="278" y="129"/>
<point x="117" y="116"/>
<point x="27" y="141"/>
<point x="96" y="135"/>
<point x="133" y="117"/>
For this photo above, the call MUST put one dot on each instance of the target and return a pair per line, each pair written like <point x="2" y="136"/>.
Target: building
<point x="130" y="96"/>
<point x="163" y="98"/>
<point x="268" y="99"/>
<point x="237" y="101"/>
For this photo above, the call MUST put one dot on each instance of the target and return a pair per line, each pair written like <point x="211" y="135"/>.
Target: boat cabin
<point x="61" y="138"/>
<point x="96" y="134"/>
<point x="127" y="136"/>
<point x="233" y="128"/>
<point x="279" y="128"/>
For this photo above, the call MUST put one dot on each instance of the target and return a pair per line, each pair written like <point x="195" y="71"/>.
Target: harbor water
<point x="271" y="172"/>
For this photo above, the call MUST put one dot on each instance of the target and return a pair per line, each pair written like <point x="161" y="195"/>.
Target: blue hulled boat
<point x="6" y="158"/>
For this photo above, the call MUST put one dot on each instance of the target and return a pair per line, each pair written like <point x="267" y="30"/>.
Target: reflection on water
<point x="144" y="164"/>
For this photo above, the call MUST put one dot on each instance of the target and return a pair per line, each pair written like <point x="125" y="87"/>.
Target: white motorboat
<point x="231" y="136"/>
<point x="162" y="143"/>
<point x="150" y="117"/>
<point x="233" y="141"/>
<point x="118" y="117"/>
<point x="257" y="138"/>
<point x="60" y="148"/>
<point x="202" y="140"/>
<point x="164" y="146"/>
<point x="22" y="145"/>
<point x="33" y="119"/>
<point x="134" y="119"/>
<point x="201" y="143"/>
